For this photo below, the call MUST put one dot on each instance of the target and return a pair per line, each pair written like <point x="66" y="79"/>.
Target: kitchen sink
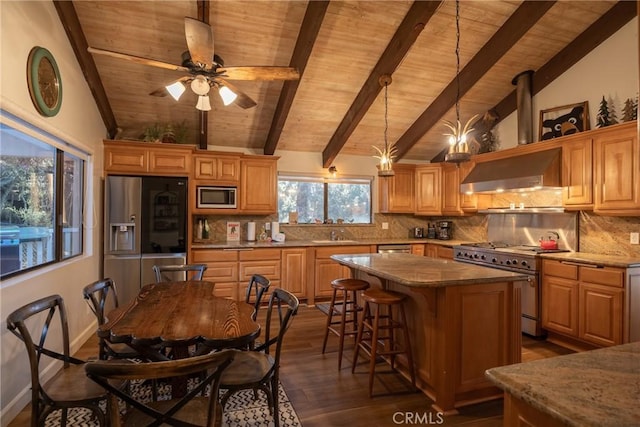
<point x="333" y="241"/>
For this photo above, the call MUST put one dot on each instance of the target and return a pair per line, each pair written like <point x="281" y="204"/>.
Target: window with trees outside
<point x="41" y="192"/>
<point x="320" y="200"/>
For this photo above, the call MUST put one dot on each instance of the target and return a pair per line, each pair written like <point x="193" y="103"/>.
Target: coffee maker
<point x="416" y="233"/>
<point x="444" y="230"/>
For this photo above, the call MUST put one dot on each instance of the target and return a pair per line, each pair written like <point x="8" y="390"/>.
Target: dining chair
<point x="195" y="408"/>
<point x="259" y="369"/>
<point x="258" y="285"/>
<point x="171" y="273"/>
<point x="69" y="387"/>
<point x="101" y="295"/>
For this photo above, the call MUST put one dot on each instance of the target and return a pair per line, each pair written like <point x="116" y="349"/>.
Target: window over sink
<point x="320" y="200"/>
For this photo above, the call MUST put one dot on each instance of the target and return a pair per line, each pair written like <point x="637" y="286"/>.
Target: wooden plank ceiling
<point x="340" y="49"/>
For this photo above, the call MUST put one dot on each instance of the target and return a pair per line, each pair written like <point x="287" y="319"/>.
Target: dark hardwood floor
<point x="326" y="397"/>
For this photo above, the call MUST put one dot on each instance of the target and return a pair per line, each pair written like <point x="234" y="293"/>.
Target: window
<point x="317" y="199"/>
<point x="39" y="182"/>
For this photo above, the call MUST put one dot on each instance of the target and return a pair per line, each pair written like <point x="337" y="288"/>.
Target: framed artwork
<point x="565" y="120"/>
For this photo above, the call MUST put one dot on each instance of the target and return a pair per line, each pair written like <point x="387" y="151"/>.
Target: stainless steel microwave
<point x="208" y="197"/>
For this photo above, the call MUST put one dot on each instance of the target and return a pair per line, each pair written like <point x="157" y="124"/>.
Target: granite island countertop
<point x="593" y="388"/>
<point x="419" y="271"/>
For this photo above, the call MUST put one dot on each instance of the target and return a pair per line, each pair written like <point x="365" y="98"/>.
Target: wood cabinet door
<point x="164" y="161"/>
<point x="126" y="159"/>
<point x="328" y="270"/>
<point x="451" y="190"/>
<point x="428" y="191"/>
<point x="294" y="271"/>
<point x="617" y="171"/>
<point x="577" y="176"/>
<point x="217" y="168"/>
<point x="431" y="250"/>
<point x="560" y="305"/>
<point x="600" y="309"/>
<point x="258" y="186"/>
<point x="417" y="249"/>
<point x="396" y="194"/>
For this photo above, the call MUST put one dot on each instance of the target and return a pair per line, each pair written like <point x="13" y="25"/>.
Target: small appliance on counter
<point x="416" y="233"/>
<point x="444" y="230"/>
<point x="431" y="231"/>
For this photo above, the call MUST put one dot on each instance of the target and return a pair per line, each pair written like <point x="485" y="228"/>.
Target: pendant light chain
<point x="458" y="60"/>
<point x="386" y="120"/>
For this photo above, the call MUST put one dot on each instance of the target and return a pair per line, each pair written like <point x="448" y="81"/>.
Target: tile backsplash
<point x="597" y="234"/>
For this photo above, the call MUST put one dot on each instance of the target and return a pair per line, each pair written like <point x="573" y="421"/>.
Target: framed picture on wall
<point x="565" y="120"/>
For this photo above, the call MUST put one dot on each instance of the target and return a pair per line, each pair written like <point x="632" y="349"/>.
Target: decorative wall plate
<point x="45" y="84"/>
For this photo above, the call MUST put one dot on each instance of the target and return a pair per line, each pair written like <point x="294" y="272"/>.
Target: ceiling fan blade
<point x="259" y="73"/>
<point x="199" y="41"/>
<point x="162" y="91"/>
<point x="138" y="59"/>
<point x="243" y="100"/>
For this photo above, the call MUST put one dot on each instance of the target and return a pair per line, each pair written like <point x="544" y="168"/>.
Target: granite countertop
<point x="594" y="259"/>
<point x="223" y="244"/>
<point x="592" y="388"/>
<point x="419" y="271"/>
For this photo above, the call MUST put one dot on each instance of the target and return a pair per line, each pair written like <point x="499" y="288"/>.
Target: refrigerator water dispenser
<point x="123" y="237"/>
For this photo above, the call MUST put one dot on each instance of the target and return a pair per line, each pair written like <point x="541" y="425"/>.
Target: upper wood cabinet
<point x="470" y="203"/>
<point x="428" y="190"/>
<point x="396" y="194"/>
<point x="577" y="173"/>
<point x="123" y="157"/>
<point x="617" y="170"/>
<point x="451" y="196"/>
<point x="258" y="191"/>
<point x="215" y="167"/>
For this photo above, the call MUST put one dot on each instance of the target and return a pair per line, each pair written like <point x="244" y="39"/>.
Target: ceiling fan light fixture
<point x="175" y="89"/>
<point x="203" y="103"/>
<point x="227" y="95"/>
<point x="200" y="86"/>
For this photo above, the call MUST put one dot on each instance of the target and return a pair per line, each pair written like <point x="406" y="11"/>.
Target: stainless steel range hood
<point x="531" y="171"/>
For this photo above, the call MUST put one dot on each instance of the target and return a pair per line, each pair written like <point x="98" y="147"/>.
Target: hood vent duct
<point x="532" y="171"/>
<point x="524" y="106"/>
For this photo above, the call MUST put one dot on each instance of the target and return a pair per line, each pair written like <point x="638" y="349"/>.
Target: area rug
<point x="241" y="410"/>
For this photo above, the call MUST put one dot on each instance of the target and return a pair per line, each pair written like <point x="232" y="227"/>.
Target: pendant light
<point x="458" y="147"/>
<point x="385" y="158"/>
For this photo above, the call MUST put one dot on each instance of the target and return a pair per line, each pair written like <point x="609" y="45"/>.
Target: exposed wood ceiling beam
<point x="504" y="39"/>
<point x="599" y="31"/>
<point x="203" y="116"/>
<point x="406" y="34"/>
<point x="309" y="30"/>
<point x="71" y="23"/>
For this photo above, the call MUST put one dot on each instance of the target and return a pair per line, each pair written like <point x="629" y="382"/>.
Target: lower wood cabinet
<point x="583" y="302"/>
<point x="326" y="270"/>
<point x="222" y="269"/>
<point x="294" y="271"/>
<point x="433" y="250"/>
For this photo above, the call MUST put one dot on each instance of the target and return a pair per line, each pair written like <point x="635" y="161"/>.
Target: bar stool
<point x="377" y="329"/>
<point x="346" y="307"/>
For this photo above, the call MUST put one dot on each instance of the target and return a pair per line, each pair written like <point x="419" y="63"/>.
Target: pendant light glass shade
<point x="176" y="90"/>
<point x="203" y="103"/>
<point x="200" y="85"/>
<point x="227" y="95"/>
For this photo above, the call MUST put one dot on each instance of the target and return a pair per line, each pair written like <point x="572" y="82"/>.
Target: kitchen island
<point x="463" y="319"/>
<point x="591" y="388"/>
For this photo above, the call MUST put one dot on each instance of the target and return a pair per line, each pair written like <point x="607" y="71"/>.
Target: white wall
<point x="610" y="70"/>
<point x="24" y="25"/>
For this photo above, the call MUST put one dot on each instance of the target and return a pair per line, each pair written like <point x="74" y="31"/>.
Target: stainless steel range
<point x="517" y="258"/>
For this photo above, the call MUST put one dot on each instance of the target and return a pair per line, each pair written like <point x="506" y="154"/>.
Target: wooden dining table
<point x="178" y="315"/>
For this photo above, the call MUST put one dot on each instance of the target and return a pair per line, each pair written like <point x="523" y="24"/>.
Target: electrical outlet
<point x="634" y="238"/>
<point x="385" y="225"/>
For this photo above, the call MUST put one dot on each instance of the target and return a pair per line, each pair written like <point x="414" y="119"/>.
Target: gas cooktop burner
<point x="506" y="247"/>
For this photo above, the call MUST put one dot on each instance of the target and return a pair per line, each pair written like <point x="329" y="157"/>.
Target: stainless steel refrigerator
<point x="145" y="225"/>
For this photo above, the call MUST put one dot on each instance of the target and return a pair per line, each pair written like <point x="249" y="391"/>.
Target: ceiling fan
<point x="206" y="70"/>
